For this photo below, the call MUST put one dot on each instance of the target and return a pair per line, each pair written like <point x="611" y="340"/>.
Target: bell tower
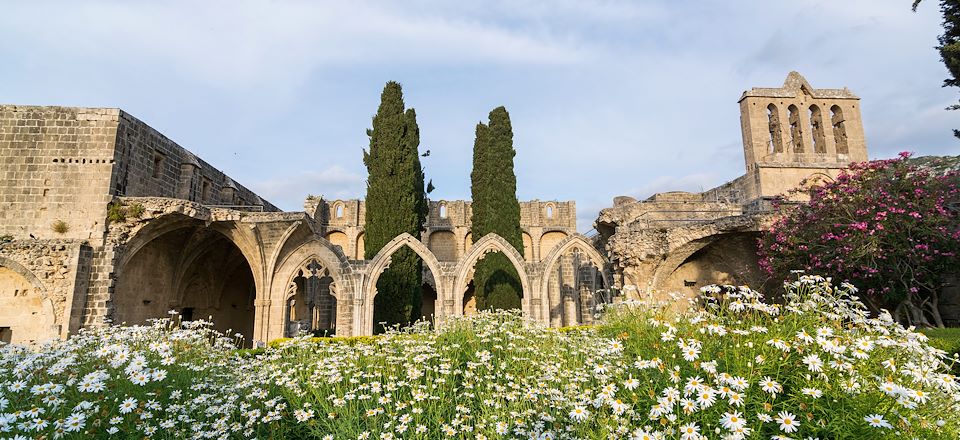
<point x="796" y="131"/>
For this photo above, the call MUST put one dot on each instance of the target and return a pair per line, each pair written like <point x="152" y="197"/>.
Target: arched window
<point x="839" y="130"/>
<point x="338" y="210"/>
<point x="796" y="134"/>
<point x="775" y="144"/>
<point x="550" y="210"/>
<point x="443" y="210"/>
<point x="816" y="127"/>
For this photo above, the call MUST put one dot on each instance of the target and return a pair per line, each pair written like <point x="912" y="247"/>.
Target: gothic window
<point x="839" y="130"/>
<point x="775" y="143"/>
<point x="796" y="133"/>
<point x="443" y="211"/>
<point x="550" y="210"/>
<point x="338" y="211"/>
<point x="816" y="127"/>
<point x="310" y="304"/>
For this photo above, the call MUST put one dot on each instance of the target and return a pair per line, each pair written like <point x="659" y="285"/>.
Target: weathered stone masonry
<point x="196" y="242"/>
<point x="677" y="242"/>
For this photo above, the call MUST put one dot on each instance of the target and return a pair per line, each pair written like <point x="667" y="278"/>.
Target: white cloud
<point x="607" y="97"/>
<point x="236" y="45"/>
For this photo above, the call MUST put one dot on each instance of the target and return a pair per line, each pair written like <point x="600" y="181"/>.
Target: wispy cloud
<point x="608" y="97"/>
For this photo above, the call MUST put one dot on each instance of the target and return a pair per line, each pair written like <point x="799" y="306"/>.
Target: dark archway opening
<point x="730" y="259"/>
<point x="194" y="271"/>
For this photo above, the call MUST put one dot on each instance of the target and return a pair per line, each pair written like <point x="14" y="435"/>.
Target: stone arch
<point x="550" y="210"/>
<point x="490" y="243"/>
<point x="572" y="304"/>
<point x="195" y="269"/>
<point x="443" y="244"/>
<point x="725" y="258"/>
<point x="575" y="241"/>
<point x="839" y="130"/>
<point x="329" y="257"/>
<point x="27" y="313"/>
<point x="816" y="129"/>
<point x="157" y="227"/>
<point x="775" y="143"/>
<point x="361" y="247"/>
<point x="339" y="238"/>
<point x="27" y="275"/>
<point x="548" y="241"/>
<point x="381" y="261"/>
<point x="527" y="247"/>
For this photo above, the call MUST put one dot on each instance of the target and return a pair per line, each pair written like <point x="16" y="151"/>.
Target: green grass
<point x="946" y="339"/>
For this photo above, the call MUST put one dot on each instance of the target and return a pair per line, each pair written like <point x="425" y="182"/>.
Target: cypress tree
<point x="495" y="209"/>
<point x="395" y="203"/>
<point x="949" y="47"/>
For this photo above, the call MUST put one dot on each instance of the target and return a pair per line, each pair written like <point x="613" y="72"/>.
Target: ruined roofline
<point x="90" y="113"/>
<point x="794" y="86"/>
<point x="122" y="117"/>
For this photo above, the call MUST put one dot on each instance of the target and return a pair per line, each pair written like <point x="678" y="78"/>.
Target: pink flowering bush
<point x="888" y="226"/>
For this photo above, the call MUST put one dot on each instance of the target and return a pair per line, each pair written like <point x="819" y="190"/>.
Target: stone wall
<point x="342" y="221"/>
<point x="151" y="165"/>
<point x="42" y="287"/>
<point x="55" y="165"/>
<point x="676" y="242"/>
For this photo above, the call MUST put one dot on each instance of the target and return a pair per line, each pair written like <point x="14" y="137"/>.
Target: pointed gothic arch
<point x="816" y="130"/>
<point x="490" y="243"/>
<point x="575" y="241"/>
<point x="274" y="318"/>
<point x="573" y="302"/>
<point x="379" y="263"/>
<point x="26" y="311"/>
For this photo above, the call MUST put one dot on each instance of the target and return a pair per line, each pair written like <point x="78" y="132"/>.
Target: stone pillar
<point x="188" y="173"/>
<point x="261" y="324"/>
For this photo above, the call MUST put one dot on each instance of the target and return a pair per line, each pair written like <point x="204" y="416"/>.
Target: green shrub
<point x="60" y="227"/>
<point x="135" y="211"/>
<point x="345" y="340"/>
<point x="116" y="213"/>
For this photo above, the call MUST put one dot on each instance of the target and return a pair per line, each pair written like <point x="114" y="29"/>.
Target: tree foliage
<point x="496" y="209"/>
<point x="395" y="203"/>
<point x="889" y="227"/>
<point x="949" y="45"/>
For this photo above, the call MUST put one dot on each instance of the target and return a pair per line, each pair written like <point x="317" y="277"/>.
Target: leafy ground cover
<point x="815" y="367"/>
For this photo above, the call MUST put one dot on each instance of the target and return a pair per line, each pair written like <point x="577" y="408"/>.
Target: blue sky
<point x="607" y="98"/>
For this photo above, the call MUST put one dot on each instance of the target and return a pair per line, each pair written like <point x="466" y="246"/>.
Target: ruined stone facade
<point x="104" y="219"/>
<point x="677" y="242"/>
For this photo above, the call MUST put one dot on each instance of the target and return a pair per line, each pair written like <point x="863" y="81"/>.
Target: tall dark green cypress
<point x="496" y="209"/>
<point x="395" y="203"/>
<point x="949" y="47"/>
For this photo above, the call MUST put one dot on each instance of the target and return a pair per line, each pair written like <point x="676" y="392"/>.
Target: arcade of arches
<point x="267" y="280"/>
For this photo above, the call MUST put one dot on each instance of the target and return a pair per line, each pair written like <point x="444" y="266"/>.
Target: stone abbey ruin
<point x="104" y="219"/>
